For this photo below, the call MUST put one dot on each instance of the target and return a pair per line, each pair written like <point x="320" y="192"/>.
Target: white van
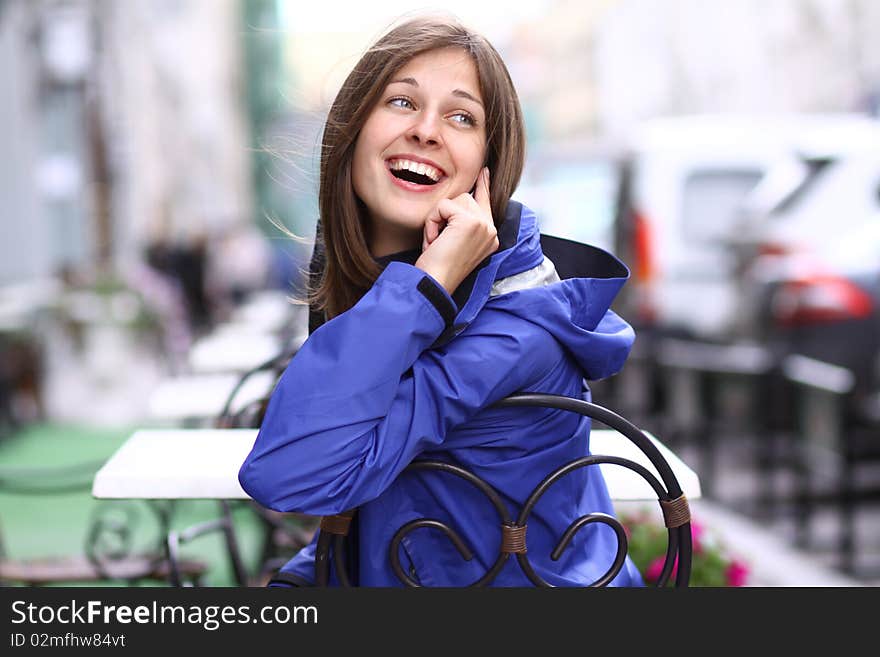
<point x="683" y="187"/>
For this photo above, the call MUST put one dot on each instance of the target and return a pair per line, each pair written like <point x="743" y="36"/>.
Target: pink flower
<point x="697" y="532"/>
<point x="652" y="572"/>
<point x="736" y="573"/>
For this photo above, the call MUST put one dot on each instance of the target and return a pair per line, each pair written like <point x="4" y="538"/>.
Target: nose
<point x="425" y="129"/>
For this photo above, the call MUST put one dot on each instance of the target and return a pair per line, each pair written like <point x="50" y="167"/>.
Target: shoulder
<point x="506" y="341"/>
<point x="502" y="353"/>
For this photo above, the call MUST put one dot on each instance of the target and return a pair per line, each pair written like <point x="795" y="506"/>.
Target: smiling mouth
<point x="416" y="173"/>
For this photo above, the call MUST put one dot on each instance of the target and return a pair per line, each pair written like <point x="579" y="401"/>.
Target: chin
<point x="411" y="214"/>
<point x="399" y="220"/>
<point x="411" y="221"/>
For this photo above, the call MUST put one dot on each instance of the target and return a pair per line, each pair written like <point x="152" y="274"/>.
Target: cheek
<point x="476" y="154"/>
<point x="471" y="161"/>
<point x="358" y="173"/>
<point x="369" y="143"/>
<point x="361" y="161"/>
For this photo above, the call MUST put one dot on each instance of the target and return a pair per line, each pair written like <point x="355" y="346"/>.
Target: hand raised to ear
<point x="459" y="235"/>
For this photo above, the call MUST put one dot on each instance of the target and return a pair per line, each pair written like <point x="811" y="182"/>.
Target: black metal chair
<point x="223" y="524"/>
<point x="282" y="533"/>
<point x="333" y="530"/>
<point x="108" y="554"/>
<point x="250" y="414"/>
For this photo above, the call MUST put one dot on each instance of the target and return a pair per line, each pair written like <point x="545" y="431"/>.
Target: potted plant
<point x="712" y="565"/>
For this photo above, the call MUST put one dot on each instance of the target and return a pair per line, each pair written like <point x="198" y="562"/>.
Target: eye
<point x="464" y="118"/>
<point x="401" y="101"/>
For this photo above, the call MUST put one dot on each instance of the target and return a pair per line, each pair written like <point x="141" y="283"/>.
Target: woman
<point x="439" y="302"/>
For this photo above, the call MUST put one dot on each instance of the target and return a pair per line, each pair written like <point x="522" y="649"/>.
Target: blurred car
<point x="810" y="266"/>
<point x="685" y="185"/>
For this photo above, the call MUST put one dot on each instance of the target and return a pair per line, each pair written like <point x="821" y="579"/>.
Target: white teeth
<point x="416" y="167"/>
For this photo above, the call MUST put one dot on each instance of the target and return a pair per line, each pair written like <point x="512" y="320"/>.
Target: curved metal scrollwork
<point x="679" y="545"/>
<point x="585" y="520"/>
<point x="460" y="545"/>
<point x="110" y="538"/>
<point x="667" y="489"/>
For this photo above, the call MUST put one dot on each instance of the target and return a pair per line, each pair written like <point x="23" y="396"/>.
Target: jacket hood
<point x="572" y="303"/>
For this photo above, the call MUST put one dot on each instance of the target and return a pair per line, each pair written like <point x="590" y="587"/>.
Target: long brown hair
<point x="349" y="269"/>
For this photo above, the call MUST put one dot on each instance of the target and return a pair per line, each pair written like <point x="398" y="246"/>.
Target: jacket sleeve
<point x="365" y="394"/>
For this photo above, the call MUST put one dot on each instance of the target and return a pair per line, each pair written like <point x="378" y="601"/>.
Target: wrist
<point x="439" y="273"/>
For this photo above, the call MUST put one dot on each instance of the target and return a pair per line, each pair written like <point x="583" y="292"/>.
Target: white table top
<point x="271" y="311"/>
<point x="231" y="351"/>
<point x="204" y="464"/>
<point x="202" y="396"/>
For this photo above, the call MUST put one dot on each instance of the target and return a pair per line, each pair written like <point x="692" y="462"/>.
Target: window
<point x="711" y="202"/>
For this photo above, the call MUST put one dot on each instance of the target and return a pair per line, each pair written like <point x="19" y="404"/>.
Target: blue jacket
<point x="411" y="372"/>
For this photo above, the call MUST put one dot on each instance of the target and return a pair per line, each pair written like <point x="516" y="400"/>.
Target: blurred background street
<point x="158" y="193"/>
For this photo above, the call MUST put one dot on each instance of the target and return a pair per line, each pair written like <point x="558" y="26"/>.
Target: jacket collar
<point x="520" y="248"/>
<point x="508" y="236"/>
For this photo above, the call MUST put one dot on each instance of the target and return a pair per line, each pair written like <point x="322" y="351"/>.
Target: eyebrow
<point x="460" y="93"/>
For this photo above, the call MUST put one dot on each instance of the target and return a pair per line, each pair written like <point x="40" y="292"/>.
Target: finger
<point x="434" y="225"/>
<point x="432" y="231"/>
<point x="447" y="208"/>
<point x="482" y="195"/>
<point x="463" y="203"/>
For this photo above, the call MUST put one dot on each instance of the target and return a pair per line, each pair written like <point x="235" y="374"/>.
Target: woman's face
<point x="424" y="141"/>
